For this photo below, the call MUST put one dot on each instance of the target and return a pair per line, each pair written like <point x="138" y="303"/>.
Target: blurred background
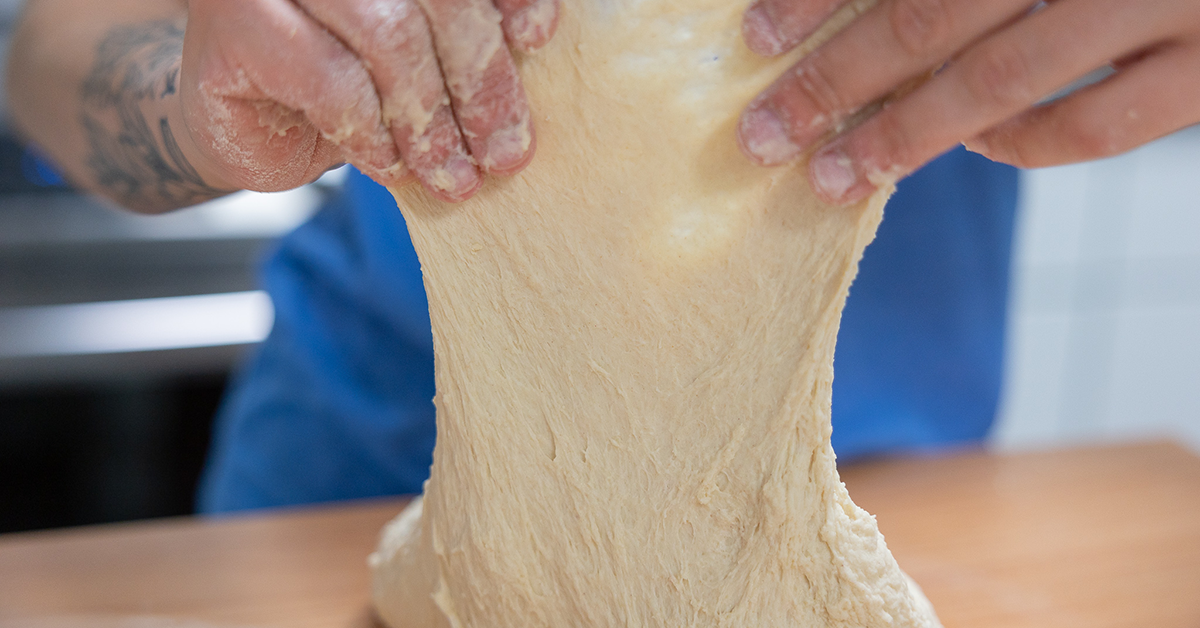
<point x="118" y="332"/>
<point x="1104" y="323"/>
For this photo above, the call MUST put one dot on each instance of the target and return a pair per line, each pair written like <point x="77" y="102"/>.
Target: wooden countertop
<point x="1095" y="538"/>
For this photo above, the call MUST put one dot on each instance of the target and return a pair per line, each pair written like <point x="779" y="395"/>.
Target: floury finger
<point x="894" y="42"/>
<point x="772" y="27"/>
<point x="270" y="87"/>
<point x="485" y="90"/>
<point x="528" y="24"/>
<point x="393" y="39"/>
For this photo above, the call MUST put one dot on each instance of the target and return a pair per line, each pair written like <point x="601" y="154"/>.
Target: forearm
<point x="95" y="85"/>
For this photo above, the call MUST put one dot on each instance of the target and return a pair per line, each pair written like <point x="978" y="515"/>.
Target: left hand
<point x="275" y="92"/>
<point x="1000" y="58"/>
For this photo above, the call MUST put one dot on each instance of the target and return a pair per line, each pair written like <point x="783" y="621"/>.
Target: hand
<point x="998" y="59"/>
<point x="275" y="92"/>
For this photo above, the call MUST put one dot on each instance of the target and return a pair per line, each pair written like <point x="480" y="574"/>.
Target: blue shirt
<point x="337" y="402"/>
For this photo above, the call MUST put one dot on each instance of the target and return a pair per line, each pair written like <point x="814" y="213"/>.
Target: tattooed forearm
<point x="135" y="160"/>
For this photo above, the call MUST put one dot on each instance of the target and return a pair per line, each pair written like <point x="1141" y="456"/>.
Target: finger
<point x="893" y="42"/>
<point x="772" y="27"/>
<point x="397" y="47"/>
<point x="1141" y="103"/>
<point x="992" y="81"/>
<point x="284" y="57"/>
<point x="528" y="24"/>
<point x="485" y="91"/>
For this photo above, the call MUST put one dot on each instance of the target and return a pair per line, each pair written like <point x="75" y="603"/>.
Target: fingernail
<point x="457" y="177"/>
<point x="507" y="149"/>
<point x="833" y="175"/>
<point x="760" y="32"/>
<point x="764" y="137"/>
<point x="531" y="27"/>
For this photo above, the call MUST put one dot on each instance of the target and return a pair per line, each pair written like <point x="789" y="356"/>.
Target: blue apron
<point x="337" y="402"/>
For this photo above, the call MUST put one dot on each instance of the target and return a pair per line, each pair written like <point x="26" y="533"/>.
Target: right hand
<point x="276" y="92"/>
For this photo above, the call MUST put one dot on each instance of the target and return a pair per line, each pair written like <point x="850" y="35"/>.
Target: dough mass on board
<point x="634" y="347"/>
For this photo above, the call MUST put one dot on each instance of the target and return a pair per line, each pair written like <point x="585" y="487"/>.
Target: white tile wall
<point x="1104" y="332"/>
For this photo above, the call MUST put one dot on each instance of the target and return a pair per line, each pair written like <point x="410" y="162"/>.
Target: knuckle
<point x="920" y="26"/>
<point x="532" y="25"/>
<point x="896" y="144"/>
<point x="403" y="16"/>
<point x="999" y="76"/>
<point x="386" y="27"/>
<point x="812" y="81"/>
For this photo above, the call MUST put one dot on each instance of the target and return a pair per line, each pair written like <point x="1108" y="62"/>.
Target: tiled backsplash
<point x="1104" y="331"/>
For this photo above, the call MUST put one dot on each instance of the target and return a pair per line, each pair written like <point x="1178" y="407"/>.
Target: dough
<point x="634" y="343"/>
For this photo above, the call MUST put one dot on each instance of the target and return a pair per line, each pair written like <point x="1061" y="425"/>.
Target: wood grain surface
<point x="1102" y="538"/>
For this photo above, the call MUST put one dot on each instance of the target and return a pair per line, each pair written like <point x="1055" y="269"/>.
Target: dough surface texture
<point x="634" y="347"/>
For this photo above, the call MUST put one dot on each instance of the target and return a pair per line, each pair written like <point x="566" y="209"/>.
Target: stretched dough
<point x="634" y="344"/>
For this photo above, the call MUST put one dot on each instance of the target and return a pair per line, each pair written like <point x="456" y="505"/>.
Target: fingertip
<point x="510" y="150"/>
<point x="454" y="181"/>
<point x="763" y="137"/>
<point x="832" y="176"/>
<point x="372" y="151"/>
<point x="531" y="27"/>
<point x="836" y="178"/>
<point x="760" y="33"/>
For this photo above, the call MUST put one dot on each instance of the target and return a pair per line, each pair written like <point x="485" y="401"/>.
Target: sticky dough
<point x="634" y="351"/>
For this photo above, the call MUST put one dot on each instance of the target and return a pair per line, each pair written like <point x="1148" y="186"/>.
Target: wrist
<point x="194" y="153"/>
<point x="140" y="152"/>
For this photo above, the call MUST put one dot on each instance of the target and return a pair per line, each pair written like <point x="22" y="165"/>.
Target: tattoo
<point x="136" y="160"/>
